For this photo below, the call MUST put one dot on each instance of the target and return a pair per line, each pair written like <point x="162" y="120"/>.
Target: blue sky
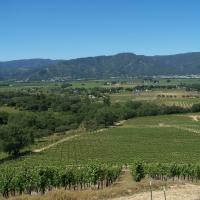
<point x="64" y="29"/>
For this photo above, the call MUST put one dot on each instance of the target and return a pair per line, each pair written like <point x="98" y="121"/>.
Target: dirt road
<point x="54" y="144"/>
<point x="181" y="192"/>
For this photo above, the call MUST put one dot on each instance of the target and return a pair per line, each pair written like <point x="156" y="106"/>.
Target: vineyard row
<point x="162" y="171"/>
<point x="42" y="179"/>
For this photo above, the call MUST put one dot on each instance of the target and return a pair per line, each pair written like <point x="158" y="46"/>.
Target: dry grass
<point x="176" y="192"/>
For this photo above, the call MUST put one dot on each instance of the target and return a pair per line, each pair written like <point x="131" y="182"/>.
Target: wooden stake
<point x="164" y="192"/>
<point x="151" y="191"/>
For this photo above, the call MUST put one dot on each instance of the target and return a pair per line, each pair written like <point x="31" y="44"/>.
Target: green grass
<point x="8" y="109"/>
<point x="87" y="84"/>
<point x="13" y="86"/>
<point x="144" y="138"/>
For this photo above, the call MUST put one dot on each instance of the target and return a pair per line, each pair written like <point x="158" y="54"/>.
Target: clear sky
<point x="64" y="29"/>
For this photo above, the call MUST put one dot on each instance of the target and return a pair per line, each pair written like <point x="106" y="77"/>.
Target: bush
<point x="196" y="108"/>
<point x="62" y="128"/>
<point x="138" y="171"/>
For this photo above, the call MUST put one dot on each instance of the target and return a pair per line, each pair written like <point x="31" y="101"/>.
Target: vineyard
<point x="164" y="172"/>
<point x="95" y="176"/>
<point x="182" y="102"/>
<point x="15" y="181"/>
<point x="177" y="97"/>
<point x="173" y="138"/>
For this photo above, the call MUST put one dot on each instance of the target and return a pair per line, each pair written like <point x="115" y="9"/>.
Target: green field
<point x="174" y="138"/>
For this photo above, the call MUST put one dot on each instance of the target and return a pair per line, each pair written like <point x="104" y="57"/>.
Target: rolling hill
<point x="120" y="65"/>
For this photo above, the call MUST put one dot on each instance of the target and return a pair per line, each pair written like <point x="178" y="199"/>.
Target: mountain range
<point x="119" y="65"/>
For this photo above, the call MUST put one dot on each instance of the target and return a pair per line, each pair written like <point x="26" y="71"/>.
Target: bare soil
<point x="54" y="144"/>
<point x="177" y="192"/>
<point x="195" y="117"/>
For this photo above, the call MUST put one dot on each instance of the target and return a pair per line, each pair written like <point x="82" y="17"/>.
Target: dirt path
<point x="177" y="191"/>
<point x="72" y="137"/>
<point x="56" y="143"/>
<point x="195" y="117"/>
<point x="179" y="127"/>
<point x="181" y="192"/>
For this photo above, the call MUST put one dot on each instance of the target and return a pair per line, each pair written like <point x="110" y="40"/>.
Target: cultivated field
<point x="174" y="138"/>
<point x="167" y="97"/>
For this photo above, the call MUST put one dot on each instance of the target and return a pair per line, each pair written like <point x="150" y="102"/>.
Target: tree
<point x="66" y="85"/>
<point x="106" y="100"/>
<point x="168" y="81"/>
<point x="105" y="116"/>
<point x="196" y="108"/>
<point x="138" y="171"/>
<point x="14" y="138"/>
<point x="3" y="118"/>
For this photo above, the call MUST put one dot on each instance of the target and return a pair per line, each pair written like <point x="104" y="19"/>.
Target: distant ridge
<point x="119" y="65"/>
